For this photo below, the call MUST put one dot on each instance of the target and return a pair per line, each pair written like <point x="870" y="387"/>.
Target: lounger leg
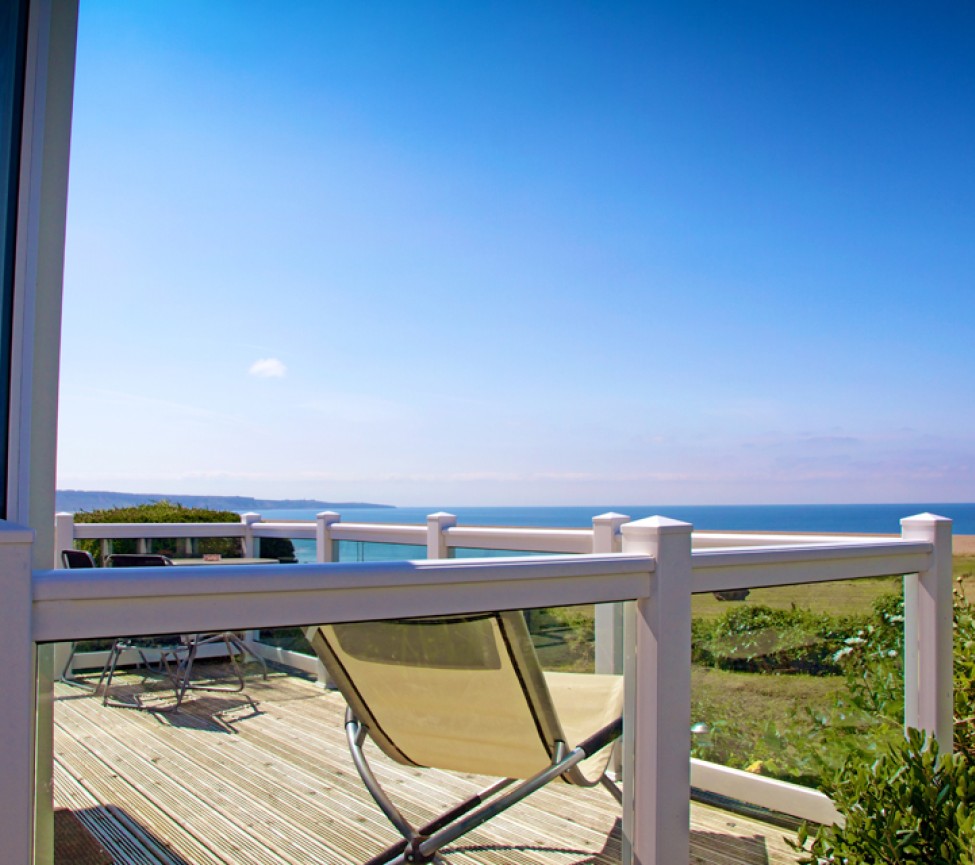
<point x="612" y="787"/>
<point x="356" y="734"/>
<point x="424" y="845"/>
<point x="562" y="761"/>
<point x="440" y="822"/>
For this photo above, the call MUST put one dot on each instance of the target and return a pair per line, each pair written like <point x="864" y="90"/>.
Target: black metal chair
<point x="232" y="641"/>
<point x="75" y="559"/>
<point x="170" y="656"/>
<point x="137" y="560"/>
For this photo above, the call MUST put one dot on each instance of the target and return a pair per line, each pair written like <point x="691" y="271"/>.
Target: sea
<point x="870" y="519"/>
<point x="857" y="518"/>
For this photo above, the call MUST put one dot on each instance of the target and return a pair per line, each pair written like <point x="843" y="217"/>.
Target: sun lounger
<point x="467" y="694"/>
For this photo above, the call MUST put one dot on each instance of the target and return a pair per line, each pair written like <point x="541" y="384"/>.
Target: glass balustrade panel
<point x="788" y="682"/>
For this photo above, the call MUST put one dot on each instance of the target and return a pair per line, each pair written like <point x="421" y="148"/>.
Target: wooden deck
<point x="264" y="778"/>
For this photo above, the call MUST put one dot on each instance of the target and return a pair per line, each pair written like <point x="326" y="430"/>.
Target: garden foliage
<point x="863" y="654"/>
<point x="169" y="512"/>
<point x="912" y="804"/>
<point x="759" y="639"/>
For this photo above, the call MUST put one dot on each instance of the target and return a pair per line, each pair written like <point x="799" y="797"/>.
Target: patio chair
<point x="466" y="693"/>
<point x="170" y="656"/>
<point x="232" y="641"/>
<point x="75" y="559"/>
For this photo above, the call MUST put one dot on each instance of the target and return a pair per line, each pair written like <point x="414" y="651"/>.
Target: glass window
<point x="13" y="46"/>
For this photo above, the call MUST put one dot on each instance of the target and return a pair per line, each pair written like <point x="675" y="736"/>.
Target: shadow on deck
<point x="264" y="778"/>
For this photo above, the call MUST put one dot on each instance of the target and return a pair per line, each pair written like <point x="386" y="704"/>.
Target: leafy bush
<point x="964" y="675"/>
<point x="169" y="512"/>
<point x="810" y="744"/>
<point x="760" y="639"/>
<point x="281" y="549"/>
<point x="912" y="806"/>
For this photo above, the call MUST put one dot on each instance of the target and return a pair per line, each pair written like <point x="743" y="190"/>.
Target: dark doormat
<point x="74" y="844"/>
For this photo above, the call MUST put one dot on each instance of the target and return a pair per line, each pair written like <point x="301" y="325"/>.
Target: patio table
<point x="242" y="640"/>
<point x="222" y="561"/>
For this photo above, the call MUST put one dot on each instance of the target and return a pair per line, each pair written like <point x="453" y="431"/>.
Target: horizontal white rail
<point x="106" y="602"/>
<point x="722" y="570"/>
<point x="295" y="531"/>
<point x="775" y="795"/>
<point x="380" y="533"/>
<point x="513" y="538"/>
<point x="722" y="540"/>
<point x="534" y="540"/>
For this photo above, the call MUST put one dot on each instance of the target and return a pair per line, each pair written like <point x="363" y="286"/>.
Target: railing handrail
<point x="74" y="605"/>
<point x="235" y="580"/>
<point x="513" y="538"/>
<point x="757" y="567"/>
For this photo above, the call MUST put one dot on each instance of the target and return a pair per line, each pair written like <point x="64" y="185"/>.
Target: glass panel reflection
<point x="791" y="681"/>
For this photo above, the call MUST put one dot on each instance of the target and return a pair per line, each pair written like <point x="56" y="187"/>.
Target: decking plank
<point x="265" y="778"/>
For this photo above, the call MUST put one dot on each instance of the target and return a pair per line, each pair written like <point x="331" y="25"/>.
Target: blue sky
<point x="508" y="253"/>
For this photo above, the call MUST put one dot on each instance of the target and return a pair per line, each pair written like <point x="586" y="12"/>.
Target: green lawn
<point x="840" y="598"/>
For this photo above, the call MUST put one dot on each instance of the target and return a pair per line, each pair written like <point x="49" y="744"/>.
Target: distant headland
<point x="88" y="500"/>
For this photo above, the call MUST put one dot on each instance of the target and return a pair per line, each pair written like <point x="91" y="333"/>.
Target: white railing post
<point x="324" y="552"/>
<point x="436" y="537"/>
<point x="63" y="540"/>
<point x="606" y="538"/>
<point x="657" y="718"/>
<point x="324" y="545"/>
<point x="928" y="695"/>
<point x="248" y="520"/>
<point x="63" y="536"/>
<point x="19" y="689"/>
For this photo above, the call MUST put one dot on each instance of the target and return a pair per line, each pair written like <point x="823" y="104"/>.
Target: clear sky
<point x="455" y="253"/>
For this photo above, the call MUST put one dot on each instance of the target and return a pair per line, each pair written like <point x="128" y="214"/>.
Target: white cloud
<point x="268" y="367"/>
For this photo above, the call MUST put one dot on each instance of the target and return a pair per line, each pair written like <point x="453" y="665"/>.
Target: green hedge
<point x="760" y="639"/>
<point x="172" y="512"/>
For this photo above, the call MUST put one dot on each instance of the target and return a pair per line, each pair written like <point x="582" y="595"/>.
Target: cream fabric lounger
<point x="467" y="694"/>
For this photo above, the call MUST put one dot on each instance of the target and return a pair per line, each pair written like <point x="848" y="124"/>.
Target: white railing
<point x="719" y="562"/>
<point x="59" y="605"/>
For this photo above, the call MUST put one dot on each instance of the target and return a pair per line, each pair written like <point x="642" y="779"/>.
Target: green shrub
<point x="281" y="549"/>
<point x="808" y="745"/>
<point x="757" y="639"/>
<point x="964" y="675"/>
<point x="912" y="806"/>
<point x="170" y="512"/>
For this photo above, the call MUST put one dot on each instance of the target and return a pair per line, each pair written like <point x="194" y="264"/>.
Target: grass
<point x="840" y="598"/>
<point x="742" y="710"/>
<point x="963" y="570"/>
<point x="755" y="720"/>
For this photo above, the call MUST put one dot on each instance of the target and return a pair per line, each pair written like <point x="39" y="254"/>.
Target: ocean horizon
<point x="865" y="518"/>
